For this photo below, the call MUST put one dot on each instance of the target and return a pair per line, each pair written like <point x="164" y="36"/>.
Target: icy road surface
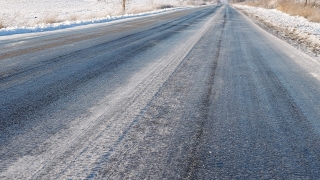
<point x="200" y="93"/>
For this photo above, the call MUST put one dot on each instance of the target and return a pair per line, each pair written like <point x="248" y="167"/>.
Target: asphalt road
<point x="199" y="93"/>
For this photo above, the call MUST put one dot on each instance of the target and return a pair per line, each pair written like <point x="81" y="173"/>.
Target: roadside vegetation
<point x="1" y="23"/>
<point x="307" y="9"/>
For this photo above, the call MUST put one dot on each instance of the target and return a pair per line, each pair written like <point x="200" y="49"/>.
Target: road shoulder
<point x="305" y="42"/>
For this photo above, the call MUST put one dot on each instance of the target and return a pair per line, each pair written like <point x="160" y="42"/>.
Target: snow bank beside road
<point x="295" y="28"/>
<point x="67" y="24"/>
<point x="22" y="16"/>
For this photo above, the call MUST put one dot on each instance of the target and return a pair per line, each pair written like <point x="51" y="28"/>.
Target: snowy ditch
<point x="296" y="30"/>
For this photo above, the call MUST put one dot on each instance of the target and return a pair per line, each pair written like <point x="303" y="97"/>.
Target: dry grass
<point x="310" y="12"/>
<point x="1" y="25"/>
<point x="49" y="19"/>
<point x="73" y="17"/>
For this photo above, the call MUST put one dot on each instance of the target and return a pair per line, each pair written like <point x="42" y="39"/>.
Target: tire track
<point x="194" y="161"/>
<point x="17" y="109"/>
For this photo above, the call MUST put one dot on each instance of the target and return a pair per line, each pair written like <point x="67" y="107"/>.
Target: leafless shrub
<point x="1" y="25"/>
<point x="124" y="4"/>
<point x="165" y="6"/>
<point x="73" y="17"/>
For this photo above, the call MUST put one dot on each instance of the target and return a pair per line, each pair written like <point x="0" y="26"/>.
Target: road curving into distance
<point x="200" y="93"/>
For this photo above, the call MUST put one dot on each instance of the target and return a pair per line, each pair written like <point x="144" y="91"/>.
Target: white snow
<point x="23" y="16"/>
<point x="295" y="24"/>
<point x="66" y="24"/>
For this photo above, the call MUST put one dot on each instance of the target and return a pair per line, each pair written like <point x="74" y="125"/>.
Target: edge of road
<point x="284" y="34"/>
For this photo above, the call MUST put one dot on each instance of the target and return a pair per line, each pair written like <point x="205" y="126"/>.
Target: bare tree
<point x="124" y="4"/>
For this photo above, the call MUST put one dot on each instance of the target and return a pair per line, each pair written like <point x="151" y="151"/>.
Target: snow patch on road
<point x="316" y="76"/>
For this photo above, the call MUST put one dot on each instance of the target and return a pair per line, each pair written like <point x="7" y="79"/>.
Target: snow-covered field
<point x="21" y="16"/>
<point x="303" y="31"/>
